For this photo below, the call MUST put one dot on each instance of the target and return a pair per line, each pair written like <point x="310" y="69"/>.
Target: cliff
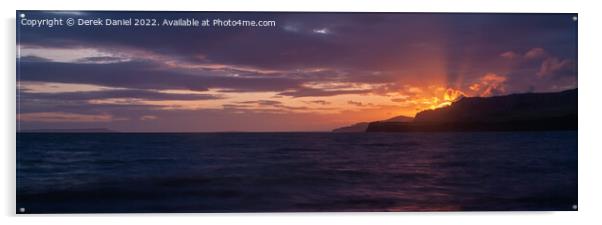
<point x="363" y="126"/>
<point x="516" y="112"/>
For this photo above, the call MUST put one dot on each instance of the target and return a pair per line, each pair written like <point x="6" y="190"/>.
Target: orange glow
<point x="452" y="95"/>
<point x="441" y="105"/>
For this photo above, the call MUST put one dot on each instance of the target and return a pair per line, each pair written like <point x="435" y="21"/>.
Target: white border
<point x="589" y="112"/>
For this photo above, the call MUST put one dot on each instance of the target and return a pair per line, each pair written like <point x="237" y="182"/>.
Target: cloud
<point x="509" y="55"/>
<point x="489" y="84"/>
<point x="554" y="66"/>
<point x="270" y="105"/>
<point x="320" y="102"/>
<point x="401" y="99"/>
<point x="535" y="53"/>
<point x="291" y="28"/>
<point x="71" y="54"/>
<point x="355" y="103"/>
<point x="531" y="54"/>
<point x="145" y="75"/>
<point x="31" y="58"/>
<point x="102" y="59"/>
<point x="52" y="117"/>
<point x="536" y="70"/>
<point x="263" y="102"/>
<point x="148" y="117"/>
<point x="120" y="93"/>
<point x="311" y="92"/>
<point x="321" y="31"/>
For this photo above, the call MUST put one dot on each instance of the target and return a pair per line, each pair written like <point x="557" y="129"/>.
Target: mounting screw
<point x="574" y="18"/>
<point x="22" y="15"/>
<point x="22" y="210"/>
<point x="575" y="207"/>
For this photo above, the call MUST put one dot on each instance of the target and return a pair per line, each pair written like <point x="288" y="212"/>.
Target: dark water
<point x="284" y="172"/>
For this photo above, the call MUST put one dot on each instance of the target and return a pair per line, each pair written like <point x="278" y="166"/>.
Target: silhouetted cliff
<point x="516" y="112"/>
<point x="362" y="127"/>
<point x="358" y="127"/>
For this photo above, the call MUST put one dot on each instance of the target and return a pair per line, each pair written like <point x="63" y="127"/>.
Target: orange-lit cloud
<point x="63" y="117"/>
<point x="489" y="84"/>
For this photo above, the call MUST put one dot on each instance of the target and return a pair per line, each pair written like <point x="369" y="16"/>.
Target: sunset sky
<point x="311" y="72"/>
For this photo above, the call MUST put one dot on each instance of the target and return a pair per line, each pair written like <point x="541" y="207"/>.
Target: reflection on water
<point x="274" y="172"/>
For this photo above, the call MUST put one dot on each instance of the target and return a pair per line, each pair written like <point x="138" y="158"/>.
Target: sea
<point x="295" y="172"/>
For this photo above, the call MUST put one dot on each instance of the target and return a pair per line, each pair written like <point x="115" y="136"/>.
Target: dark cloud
<point x="312" y="92"/>
<point x="267" y="103"/>
<point x="355" y="103"/>
<point x="389" y="41"/>
<point x="102" y="59"/>
<point x="399" y="99"/>
<point x="263" y="102"/>
<point x="107" y="94"/>
<point x="145" y="75"/>
<point x="26" y="59"/>
<point x="321" y="102"/>
<point x="80" y="106"/>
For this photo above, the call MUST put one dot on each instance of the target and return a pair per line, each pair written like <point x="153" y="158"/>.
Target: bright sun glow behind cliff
<point x="451" y="95"/>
